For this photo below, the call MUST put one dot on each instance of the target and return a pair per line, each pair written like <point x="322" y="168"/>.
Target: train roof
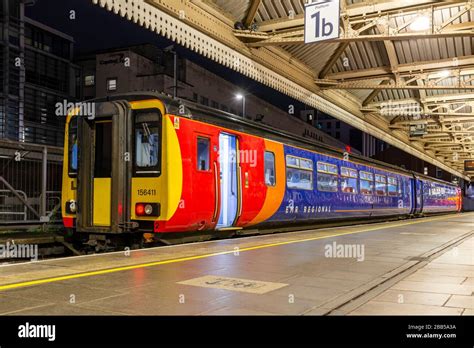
<point x="225" y="119"/>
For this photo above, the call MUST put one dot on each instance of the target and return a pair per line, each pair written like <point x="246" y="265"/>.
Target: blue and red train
<point x="152" y="166"/>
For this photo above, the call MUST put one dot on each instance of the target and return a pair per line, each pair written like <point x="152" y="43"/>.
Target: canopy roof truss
<point x="366" y="78"/>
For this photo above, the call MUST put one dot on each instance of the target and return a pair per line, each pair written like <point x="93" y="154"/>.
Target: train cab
<point x="114" y="177"/>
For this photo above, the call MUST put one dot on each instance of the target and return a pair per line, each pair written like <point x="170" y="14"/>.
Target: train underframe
<point x="93" y="242"/>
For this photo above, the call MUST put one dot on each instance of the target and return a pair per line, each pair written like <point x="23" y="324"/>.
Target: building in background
<point x="51" y="77"/>
<point x="148" y="68"/>
<point x="36" y="73"/>
<point x="368" y="145"/>
<point x="11" y="70"/>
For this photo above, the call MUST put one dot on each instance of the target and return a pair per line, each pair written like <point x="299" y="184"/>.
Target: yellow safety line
<point x="197" y="257"/>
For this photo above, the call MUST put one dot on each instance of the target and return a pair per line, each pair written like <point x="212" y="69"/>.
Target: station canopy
<point x="402" y="71"/>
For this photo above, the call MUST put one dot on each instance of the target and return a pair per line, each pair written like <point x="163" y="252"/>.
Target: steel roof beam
<point x="362" y="9"/>
<point x="208" y="34"/>
<point x="361" y="29"/>
<point x="465" y="64"/>
<point x="252" y="12"/>
<point x="400" y="85"/>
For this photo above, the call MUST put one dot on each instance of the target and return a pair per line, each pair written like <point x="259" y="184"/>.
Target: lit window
<point x="147" y="142"/>
<point x="327" y="177"/>
<point x="203" y="154"/>
<point x="89" y="80"/>
<point x="366" y="183"/>
<point x="392" y="186"/>
<point x="299" y="173"/>
<point x="380" y="185"/>
<point x="111" y="84"/>
<point x="270" y="169"/>
<point x="292" y="161"/>
<point x="349" y="180"/>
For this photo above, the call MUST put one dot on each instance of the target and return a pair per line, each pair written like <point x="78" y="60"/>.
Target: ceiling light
<point x="420" y="23"/>
<point x="444" y="73"/>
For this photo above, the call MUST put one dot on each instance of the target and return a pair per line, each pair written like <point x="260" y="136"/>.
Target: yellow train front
<point x="113" y="182"/>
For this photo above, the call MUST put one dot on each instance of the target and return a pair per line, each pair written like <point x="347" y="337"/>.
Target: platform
<point x="417" y="266"/>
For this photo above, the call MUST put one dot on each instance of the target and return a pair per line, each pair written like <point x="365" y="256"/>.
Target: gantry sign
<point x="402" y="70"/>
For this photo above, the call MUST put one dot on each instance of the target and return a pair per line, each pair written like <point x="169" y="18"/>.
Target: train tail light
<point x="147" y="209"/>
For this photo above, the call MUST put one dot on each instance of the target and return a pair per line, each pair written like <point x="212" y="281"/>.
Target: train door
<point x="102" y="178"/>
<point x="229" y="180"/>
<point x="102" y="173"/>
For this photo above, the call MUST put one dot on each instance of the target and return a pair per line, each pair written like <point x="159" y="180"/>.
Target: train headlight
<point x="147" y="209"/>
<point x="71" y="207"/>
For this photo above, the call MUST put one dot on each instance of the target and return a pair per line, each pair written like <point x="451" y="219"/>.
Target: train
<point x="153" y="168"/>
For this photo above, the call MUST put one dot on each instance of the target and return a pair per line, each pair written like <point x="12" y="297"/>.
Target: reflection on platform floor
<point x="311" y="272"/>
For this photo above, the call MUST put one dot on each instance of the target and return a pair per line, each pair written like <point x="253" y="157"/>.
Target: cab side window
<point x="202" y="154"/>
<point x="147" y="143"/>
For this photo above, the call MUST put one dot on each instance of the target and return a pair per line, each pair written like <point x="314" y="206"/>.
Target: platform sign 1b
<point x="321" y="20"/>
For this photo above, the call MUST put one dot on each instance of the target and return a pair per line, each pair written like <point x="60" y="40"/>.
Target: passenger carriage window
<point x="392" y="186"/>
<point x="269" y="168"/>
<point x="147" y="143"/>
<point x="380" y="185"/>
<point x="306" y="164"/>
<point x="327" y="177"/>
<point x="292" y="161"/>
<point x="202" y="154"/>
<point x="366" y="183"/>
<point x="299" y="173"/>
<point x="349" y="180"/>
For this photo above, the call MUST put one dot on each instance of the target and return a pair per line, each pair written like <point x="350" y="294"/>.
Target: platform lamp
<point x="241" y="96"/>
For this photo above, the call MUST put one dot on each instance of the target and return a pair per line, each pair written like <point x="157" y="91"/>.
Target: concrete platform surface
<point x="443" y="286"/>
<point x="428" y="263"/>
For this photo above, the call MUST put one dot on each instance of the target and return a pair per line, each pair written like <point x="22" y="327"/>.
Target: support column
<point x="44" y="181"/>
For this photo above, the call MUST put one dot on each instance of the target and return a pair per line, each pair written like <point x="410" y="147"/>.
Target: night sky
<point x="97" y="29"/>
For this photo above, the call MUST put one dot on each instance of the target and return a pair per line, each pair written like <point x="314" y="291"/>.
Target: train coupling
<point x="129" y="226"/>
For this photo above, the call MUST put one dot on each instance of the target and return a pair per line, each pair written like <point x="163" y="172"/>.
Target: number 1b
<point x="322" y="25"/>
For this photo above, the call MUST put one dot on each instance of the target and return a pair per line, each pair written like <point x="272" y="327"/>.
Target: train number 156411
<point x="145" y="192"/>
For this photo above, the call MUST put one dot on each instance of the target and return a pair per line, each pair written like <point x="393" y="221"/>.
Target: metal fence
<point x="30" y="183"/>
